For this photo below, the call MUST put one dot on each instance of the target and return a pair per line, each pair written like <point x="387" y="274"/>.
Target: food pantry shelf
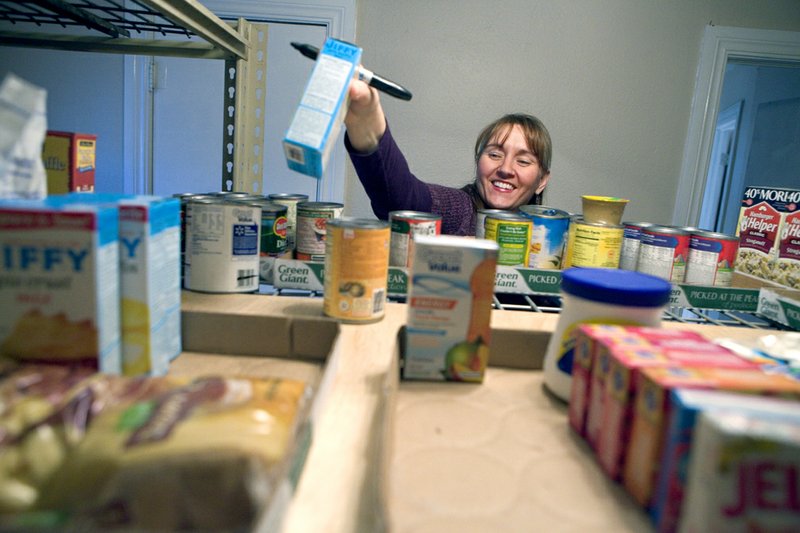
<point x="552" y="304"/>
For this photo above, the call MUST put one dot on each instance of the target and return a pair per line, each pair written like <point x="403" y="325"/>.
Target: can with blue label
<point x="222" y="245"/>
<point x="549" y="236"/>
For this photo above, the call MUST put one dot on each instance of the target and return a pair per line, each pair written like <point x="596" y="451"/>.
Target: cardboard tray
<point x="498" y="456"/>
<point x="218" y="338"/>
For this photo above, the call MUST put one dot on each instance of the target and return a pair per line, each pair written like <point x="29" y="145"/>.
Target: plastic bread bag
<point x="45" y="411"/>
<point x="207" y="454"/>
<point x="23" y="127"/>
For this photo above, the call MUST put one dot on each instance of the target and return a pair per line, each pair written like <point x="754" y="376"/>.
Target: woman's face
<point x="509" y="173"/>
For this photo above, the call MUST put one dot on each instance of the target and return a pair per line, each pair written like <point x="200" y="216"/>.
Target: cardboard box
<point x="319" y="117"/>
<point x="653" y="409"/>
<point x="69" y="159"/>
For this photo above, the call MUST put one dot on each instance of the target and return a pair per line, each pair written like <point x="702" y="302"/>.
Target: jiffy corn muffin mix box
<point x="449" y="308"/>
<point x="149" y="254"/>
<point x="59" y="283"/>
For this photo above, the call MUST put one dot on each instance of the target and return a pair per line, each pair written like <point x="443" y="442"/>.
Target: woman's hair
<point x="536" y="135"/>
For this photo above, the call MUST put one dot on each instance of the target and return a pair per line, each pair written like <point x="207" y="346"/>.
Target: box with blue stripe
<point x="318" y="119"/>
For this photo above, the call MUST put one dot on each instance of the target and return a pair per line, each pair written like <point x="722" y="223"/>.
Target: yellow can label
<point x="356" y="271"/>
<point x="593" y="245"/>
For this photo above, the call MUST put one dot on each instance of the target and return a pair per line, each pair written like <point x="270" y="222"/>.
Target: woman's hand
<point x="365" y="121"/>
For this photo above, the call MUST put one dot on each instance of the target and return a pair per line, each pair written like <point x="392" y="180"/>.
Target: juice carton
<point x="744" y="473"/>
<point x="687" y="405"/>
<point x="59" y="284"/>
<point x="589" y="341"/>
<point x="69" y="159"/>
<point x="149" y="238"/>
<point x="449" y="308"/>
<point x="319" y="117"/>
<point x="653" y="409"/>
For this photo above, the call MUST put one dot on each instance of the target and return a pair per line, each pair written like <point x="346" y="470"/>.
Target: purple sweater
<point x="391" y="186"/>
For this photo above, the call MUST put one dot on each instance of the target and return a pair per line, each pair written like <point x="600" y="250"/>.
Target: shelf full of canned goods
<point x="749" y="302"/>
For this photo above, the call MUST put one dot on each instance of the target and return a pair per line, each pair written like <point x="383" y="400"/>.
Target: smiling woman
<point x="512" y="166"/>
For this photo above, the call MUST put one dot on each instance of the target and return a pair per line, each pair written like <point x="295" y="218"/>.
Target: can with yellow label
<point x="592" y="244"/>
<point x="356" y="269"/>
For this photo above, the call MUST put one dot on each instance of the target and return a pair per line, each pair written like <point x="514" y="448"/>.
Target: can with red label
<point x="312" y="220"/>
<point x="663" y="251"/>
<point x="405" y="226"/>
<point x="631" y="239"/>
<point x="711" y="258"/>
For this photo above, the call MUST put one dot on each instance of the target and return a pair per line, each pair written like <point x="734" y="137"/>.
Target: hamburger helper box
<point x="687" y="404"/>
<point x="69" y="159"/>
<point x="744" y="473"/>
<point x="59" y="284"/>
<point x="769" y="235"/>
<point x="150" y="298"/>
<point x="654" y="407"/>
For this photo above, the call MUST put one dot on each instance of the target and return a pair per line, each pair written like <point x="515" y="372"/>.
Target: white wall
<point x="613" y="80"/>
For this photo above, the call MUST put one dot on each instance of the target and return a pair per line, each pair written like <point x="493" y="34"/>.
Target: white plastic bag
<point x="23" y="127"/>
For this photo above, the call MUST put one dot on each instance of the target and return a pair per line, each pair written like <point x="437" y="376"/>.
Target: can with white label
<point x="222" y="246"/>
<point x="631" y="240"/>
<point x="405" y="226"/>
<point x="312" y="220"/>
<point x="356" y="269"/>
<point x="663" y="251"/>
<point x="711" y="258"/>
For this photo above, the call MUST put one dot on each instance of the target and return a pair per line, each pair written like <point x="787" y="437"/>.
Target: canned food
<point x="512" y="233"/>
<point x="273" y="227"/>
<point x="593" y="244"/>
<point x="711" y="258"/>
<point x="549" y="235"/>
<point x="290" y="200"/>
<point x="480" y="220"/>
<point x="405" y="226"/>
<point x="312" y="219"/>
<point x="184" y="198"/>
<point x="356" y="269"/>
<point x="222" y="242"/>
<point x="631" y="239"/>
<point x="663" y="251"/>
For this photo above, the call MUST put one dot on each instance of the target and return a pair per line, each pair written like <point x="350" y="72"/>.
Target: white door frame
<point x="718" y="185"/>
<point x="337" y="16"/>
<point x="720" y="44"/>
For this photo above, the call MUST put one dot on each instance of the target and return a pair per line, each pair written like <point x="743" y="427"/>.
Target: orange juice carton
<point x="666" y="348"/>
<point x="744" y="473"/>
<point x="687" y="404"/>
<point x="69" y="160"/>
<point x="318" y="119"/>
<point x="589" y="341"/>
<point x="149" y="254"/>
<point x="769" y="246"/>
<point x="653" y="410"/>
<point x="59" y="284"/>
<point x="449" y="308"/>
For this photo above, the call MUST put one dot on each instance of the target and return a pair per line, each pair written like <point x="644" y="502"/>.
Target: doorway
<point x="725" y="49"/>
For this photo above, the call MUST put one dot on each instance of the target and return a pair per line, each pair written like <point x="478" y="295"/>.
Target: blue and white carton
<point x="319" y="117"/>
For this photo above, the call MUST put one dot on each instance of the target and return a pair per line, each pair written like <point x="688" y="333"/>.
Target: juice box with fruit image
<point x="449" y="308"/>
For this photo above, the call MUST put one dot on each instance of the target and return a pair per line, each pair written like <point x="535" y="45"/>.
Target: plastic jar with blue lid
<point x="599" y="296"/>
